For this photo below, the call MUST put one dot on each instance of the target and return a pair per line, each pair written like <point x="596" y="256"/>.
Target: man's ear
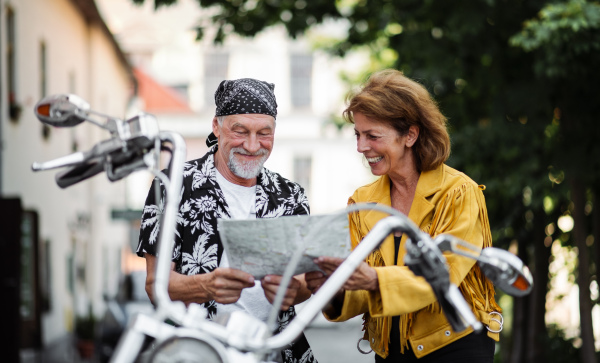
<point x="215" y="126"/>
<point x="412" y="136"/>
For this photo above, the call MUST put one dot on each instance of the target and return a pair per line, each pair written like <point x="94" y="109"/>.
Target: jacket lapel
<point x="429" y="183"/>
<point x="380" y="194"/>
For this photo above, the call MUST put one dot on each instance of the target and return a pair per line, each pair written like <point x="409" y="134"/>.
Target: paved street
<point x="331" y="343"/>
<point x="336" y="342"/>
<point x="61" y="351"/>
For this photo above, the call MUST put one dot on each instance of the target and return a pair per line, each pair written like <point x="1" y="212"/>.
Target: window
<point x="44" y="85"/>
<point x="303" y="172"/>
<point x="301" y="79"/>
<point x="73" y="90"/>
<point x="72" y="82"/>
<point x="182" y="90"/>
<point x="216" y="66"/>
<point x="13" y="106"/>
<point x="43" y="71"/>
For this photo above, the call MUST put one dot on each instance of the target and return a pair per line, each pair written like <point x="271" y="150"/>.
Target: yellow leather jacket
<point x="446" y="201"/>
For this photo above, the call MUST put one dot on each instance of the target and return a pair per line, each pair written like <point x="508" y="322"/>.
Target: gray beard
<point x="246" y="170"/>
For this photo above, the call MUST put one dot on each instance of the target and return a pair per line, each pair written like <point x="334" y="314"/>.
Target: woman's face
<point x="386" y="151"/>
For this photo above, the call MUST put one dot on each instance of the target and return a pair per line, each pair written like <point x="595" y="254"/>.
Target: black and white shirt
<point x="198" y="248"/>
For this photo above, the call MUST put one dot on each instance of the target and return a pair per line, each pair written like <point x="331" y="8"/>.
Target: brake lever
<point x="67" y="160"/>
<point x="449" y="243"/>
<point x="100" y="150"/>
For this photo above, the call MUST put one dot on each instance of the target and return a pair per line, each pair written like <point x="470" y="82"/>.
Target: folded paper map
<point x="265" y="246"/>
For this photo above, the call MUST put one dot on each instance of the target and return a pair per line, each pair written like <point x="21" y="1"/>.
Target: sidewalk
<point x="331" y="343"/>
<point x="61" y="351"/>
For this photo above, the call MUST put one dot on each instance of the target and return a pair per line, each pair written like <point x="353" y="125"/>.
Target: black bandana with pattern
<point x="245" y="95"/>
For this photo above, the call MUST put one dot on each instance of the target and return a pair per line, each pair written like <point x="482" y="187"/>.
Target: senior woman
<point x="402" y="135"/>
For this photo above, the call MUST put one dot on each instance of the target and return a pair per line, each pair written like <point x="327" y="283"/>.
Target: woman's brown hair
<point x="390" y="97"/>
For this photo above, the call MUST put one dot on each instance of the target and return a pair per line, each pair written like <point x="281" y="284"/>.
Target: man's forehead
<point x="254" y="120"/>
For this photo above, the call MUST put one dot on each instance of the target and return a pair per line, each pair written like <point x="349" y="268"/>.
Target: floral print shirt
<point x="198" y="248"/>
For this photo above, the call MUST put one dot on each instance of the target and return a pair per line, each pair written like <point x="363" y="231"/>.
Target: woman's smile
<point x="374" y="160"/>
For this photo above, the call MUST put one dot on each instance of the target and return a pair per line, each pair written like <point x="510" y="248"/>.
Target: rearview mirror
<point x="506" y="271"/>
<point x="63" y="110"/>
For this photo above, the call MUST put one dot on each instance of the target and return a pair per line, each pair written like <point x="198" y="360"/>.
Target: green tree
<point x="517" y="81"/>
<point x="565" y="41"/>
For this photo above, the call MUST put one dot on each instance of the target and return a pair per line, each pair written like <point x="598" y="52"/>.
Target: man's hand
<point x="294" y="294"/>
<point x="225" y="285"/>
<point x="314" y="280"/>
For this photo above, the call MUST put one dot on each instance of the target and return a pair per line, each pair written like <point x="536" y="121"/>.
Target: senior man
<point x="229" y="181"/>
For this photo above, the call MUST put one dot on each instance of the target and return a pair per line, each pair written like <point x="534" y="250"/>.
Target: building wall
<point x="75" y="222"/>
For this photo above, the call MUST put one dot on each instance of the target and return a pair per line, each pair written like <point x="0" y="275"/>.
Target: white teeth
<point x="374" y="160"/>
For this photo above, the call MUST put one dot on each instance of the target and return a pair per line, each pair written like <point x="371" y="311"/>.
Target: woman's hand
<point x="314" y="280"/>
<point x="363" y="278"/>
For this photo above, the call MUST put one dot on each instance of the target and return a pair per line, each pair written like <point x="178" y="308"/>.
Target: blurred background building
<point x="66" y="239"/>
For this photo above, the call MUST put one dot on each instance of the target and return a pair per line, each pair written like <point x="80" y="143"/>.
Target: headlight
<point x="186" y="349"/>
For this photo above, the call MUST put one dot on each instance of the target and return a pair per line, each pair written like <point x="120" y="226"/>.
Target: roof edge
<point x="90" y="12"/>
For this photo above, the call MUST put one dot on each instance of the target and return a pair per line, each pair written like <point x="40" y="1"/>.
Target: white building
<point x="49" y="47"/>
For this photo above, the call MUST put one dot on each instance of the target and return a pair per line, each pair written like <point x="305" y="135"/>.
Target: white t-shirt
<point x="241" y="201"/>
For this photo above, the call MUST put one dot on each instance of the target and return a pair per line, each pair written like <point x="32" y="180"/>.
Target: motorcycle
<point x="129" y="300"/>
<point x="184" y="334"/>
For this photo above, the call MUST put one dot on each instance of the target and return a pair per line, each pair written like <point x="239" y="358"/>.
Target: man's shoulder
<point x="280" y="196"/>
<point x="275" y="181"/>
<point x="204" y="164"/>
<point x="274" y="174"/>
<point x="197" y="163"/>
<point x="194" y="164"/>
<point x="199" y="173"/>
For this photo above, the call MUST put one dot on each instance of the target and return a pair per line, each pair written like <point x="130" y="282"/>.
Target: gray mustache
<point x="243" y="151"/>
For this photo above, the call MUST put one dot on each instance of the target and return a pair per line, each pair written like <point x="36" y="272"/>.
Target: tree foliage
<point x="518" y="81"/>
<point x="565" y="41"/>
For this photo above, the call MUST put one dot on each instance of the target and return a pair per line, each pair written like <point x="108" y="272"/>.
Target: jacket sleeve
<point x="355" y="302"/>
<point x="400" y="291"/>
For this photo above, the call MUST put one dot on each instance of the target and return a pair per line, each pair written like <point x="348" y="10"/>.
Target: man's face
<point x="245" y="142"/>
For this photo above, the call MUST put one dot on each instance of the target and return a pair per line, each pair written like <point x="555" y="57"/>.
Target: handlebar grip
<point x="78" y="173"/>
